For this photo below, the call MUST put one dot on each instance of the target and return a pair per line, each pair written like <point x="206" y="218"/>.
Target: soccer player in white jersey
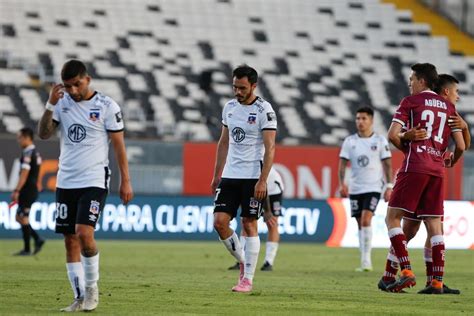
<point x="370" y="159"/>
<point x="88" y="120"/>
<point x="244" y="158"/>
<point x="272" y="207"/>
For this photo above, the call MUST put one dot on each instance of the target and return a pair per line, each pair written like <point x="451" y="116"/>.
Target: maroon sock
<point x="391" y="266"/>
<point x="437" y="248"/>
<point x="399" y="244"/>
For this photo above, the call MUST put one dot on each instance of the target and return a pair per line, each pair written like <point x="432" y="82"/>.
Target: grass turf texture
<point x="149" y="278"/>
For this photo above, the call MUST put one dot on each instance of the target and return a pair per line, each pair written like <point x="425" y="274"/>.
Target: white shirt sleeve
<point x="268" y="120"/>
<point x="224" y="114"/>
<point x="345" y="150"/>
<point x="384" y="149"/>
<point x="113" y="119"/>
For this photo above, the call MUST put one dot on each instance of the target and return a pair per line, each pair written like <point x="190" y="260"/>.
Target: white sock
<point x="367" y="243"/>
<point x="361" y="244"/>
<point x="233" y="245"/>
<point x="91" y="269"/>
<point x="75" y="273"/>
<point x="271" y="251"/>
<point x="242" y="242"/>
<point x="251" y="256"/>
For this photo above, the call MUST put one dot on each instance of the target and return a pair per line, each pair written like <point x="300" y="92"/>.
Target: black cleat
<point x="383" y="285"/>
<point x="266" y="267"/>
<point x="448" y="290"/>
<point x="434" y="287"/>
<point x="406" y="279"/>
<point x="38" y="245"/>
<point x="22" y="253"/>
<point x="234" y="267"/>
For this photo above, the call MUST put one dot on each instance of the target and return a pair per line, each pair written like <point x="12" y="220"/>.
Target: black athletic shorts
<point x="232" y="193"/>
<point x="78" y="206"/>
<point x="275" y="204"/>
<point x="364" y="201"/>
<point x="26" y="198"/>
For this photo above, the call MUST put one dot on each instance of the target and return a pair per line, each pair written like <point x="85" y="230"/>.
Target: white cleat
<point x="366" y="266"/>
<point x="91" y="298"/>
<point x="76" y="306"/>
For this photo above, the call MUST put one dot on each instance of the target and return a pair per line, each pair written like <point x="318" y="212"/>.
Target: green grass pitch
<point x="156" y="277"/>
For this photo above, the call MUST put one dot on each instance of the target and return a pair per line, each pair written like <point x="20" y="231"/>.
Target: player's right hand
<point x="56" y="93"/>
<point x="415" y="133"/>
<point x="14" y="196"/>
<point x="214" y="184"/>
<point x="344" y="190"/>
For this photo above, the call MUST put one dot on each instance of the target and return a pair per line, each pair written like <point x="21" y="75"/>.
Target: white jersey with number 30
<point x="246" y="149"/>
<point x="84" y="125"/>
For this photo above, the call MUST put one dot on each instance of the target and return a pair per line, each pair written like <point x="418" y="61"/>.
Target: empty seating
<point x="169" y="64"/>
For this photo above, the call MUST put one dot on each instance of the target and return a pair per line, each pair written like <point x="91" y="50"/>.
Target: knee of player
<point x="71" y="242"/>
<point x="220" y="224"/>
<point x="84" y="234"/>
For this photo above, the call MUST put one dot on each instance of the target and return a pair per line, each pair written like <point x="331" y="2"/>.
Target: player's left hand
<point x="14" y="196"/>
<point x="269" y="219"/>
<point x="456" y="122"/>
<point x="387" y="194"/>
<point x="260" y="190"/>
<point x="126" y="192"/>
<point x="448" y="159"/>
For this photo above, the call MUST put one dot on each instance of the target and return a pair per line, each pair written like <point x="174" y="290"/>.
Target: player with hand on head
<point x="26" y="190"/>
<point x="244" y="158"/>
<point x="418" y="190"/>
<point x="370" y="160"/>
<point x="88" y="121"/>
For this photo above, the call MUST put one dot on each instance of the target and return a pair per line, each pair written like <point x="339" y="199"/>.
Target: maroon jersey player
<point x="419" y="186"/>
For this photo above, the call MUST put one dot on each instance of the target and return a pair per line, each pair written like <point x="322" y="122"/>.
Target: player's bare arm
<point x="387" y="170"/>
<point x="395" y="135"/>
<point x="414" y="134"/>
<point x="47" y="126"/>
<point x="221" y="156"/>
<point x="269" y="143"/>
<point x="126" y="192"/>
<point x="343" y="189"/>
<point x="457" y="122"/>
<point x="21" y="182"/>
<point x="460" y="147"/>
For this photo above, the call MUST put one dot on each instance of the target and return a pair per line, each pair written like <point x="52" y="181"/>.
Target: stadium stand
<point x="168" y="63"/>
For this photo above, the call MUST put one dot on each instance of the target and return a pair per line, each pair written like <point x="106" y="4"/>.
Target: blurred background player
<point x="26" y="190"/>
<point x="244" y="158"/>
<point x="272" y="210"/>
<point x="447" y="87"/>
<point x="419" y="188"/>
<point x="370" y="159"/>
<point x="88" y="120"/>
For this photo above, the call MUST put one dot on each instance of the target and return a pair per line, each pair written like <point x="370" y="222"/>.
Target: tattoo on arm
<point x="46" y="125"/>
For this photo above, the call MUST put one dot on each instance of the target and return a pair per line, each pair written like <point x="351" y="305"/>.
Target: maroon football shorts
<point x="418" y="193"/>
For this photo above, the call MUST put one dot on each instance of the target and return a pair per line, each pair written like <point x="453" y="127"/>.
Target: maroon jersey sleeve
<point x="402" y="114"/>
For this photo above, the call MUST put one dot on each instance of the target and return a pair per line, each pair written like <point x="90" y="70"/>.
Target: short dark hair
<point x="366" y="109"/>
<point x="27" y="132"/>
<point x="427" y="72"/>
<point x="73" y="68"/>
<point x="245" y="71"/>
<point x="443" y="81"/>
